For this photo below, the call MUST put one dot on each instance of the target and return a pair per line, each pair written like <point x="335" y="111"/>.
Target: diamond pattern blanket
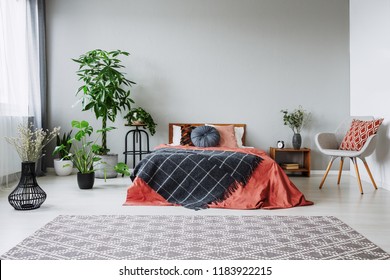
<point x="195" y="178"/>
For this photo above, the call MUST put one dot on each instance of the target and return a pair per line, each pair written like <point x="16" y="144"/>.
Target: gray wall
<point x="370" y="66"/>
<point x="222" y="61"/>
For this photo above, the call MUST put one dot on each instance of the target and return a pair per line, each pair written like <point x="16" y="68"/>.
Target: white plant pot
<point x="104" y="168"/>
<point x="63" y="167"/>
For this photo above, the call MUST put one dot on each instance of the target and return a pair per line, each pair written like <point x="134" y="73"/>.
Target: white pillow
<point x="176" y="135"/>
<point x="239" y="131"/>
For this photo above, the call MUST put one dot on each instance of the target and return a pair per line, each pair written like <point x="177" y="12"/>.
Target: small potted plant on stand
<point x="63" y="166"/>
<point x="296" y="120"/>
<point x="105" y="92"/>
<point x="138" y="116"/>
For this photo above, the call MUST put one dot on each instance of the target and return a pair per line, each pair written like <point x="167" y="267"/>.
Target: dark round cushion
<point x="205" y="136"/>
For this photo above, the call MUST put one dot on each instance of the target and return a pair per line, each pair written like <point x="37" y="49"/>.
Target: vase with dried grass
<point x="29" y="145"/>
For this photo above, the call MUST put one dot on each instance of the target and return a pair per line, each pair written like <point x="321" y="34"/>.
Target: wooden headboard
<point x="170" y="131"/>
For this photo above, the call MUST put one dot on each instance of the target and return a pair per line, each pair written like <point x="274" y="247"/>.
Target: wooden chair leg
<point x="327" y="171"/>
<point x="340" y="170"/>
<point x="369" y="173"/>
<point x="357" y="174"/>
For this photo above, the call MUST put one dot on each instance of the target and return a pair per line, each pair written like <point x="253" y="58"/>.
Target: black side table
<point x="137" y="149"/>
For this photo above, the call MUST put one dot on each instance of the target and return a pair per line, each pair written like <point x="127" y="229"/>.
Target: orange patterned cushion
<point x="358" y="134"/>
<point x="186" y="135"/>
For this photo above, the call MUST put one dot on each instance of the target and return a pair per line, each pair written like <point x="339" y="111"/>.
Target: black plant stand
<point x="137" y="135"/>
<point x="27" y="195"/>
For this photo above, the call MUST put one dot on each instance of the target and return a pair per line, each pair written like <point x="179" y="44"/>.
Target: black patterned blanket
<point x="195" y="178"/>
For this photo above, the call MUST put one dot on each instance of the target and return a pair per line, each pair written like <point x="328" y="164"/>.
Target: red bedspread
<point x="268" y="188"/>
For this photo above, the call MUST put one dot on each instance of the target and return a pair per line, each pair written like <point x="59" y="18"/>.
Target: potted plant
<point x="29" y="145"/>
<point x="296" y="120"/>
<point x="138" y="116"/>
<point x="105" y="91"/>
<point x="83" y="153"/>
<point x="63" y="166"/>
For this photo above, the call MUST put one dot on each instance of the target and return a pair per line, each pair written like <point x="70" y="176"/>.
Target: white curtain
<point x="20" y="97"/>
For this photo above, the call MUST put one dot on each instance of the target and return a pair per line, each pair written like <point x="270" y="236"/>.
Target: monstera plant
<point x="106" y="92"/>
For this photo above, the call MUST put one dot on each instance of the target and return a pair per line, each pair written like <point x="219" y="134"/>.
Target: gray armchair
<point x="328" y="144"/>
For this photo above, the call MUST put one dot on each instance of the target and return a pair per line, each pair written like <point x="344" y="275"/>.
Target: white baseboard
<point x="331" y="172"/>
<point x="384" y="186"/>
<point x="366" y="178"/>
<point x="313" y="172"/>
<point x="363" y="177"/>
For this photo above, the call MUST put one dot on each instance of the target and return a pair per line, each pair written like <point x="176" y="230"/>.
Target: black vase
<point x="297" y="141"/>
<point x="27" y="195"/>
<point x="85" y="180"/>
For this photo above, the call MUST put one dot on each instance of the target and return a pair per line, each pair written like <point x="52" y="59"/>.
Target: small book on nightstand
<point x="290" y="166"/>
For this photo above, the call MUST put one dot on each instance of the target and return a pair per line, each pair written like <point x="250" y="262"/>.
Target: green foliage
<point x="296" y="120"/>
<point x="122" y="168"/>
<point x="140" y="115"/>
<point x="105" y="88"/>
<point x="63" y="145"/>
<point x="84" y="152"/>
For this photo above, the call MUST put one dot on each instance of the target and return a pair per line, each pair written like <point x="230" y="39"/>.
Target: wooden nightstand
<point x="289" y="155"/>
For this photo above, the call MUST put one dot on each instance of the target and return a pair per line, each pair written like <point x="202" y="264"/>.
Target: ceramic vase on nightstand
<point x="297" y="141"/>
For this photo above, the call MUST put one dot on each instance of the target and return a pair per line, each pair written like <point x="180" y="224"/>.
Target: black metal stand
<point x="137" y="139"/>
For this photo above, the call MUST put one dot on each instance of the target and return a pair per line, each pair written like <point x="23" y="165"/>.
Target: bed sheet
<point x="268" y="188"/>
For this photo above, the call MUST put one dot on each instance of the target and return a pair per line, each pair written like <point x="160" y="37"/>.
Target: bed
<point x="245" y="177"/>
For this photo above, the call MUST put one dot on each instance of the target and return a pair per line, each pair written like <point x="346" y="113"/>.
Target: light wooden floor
<point x="369" y="214"/>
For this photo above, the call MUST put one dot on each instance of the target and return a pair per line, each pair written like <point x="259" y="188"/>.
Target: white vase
<point x="63" y="167"/>
<point x="104" y="168"/>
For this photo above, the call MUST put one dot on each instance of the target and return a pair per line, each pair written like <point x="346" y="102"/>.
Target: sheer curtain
<point x="21" y="89"/>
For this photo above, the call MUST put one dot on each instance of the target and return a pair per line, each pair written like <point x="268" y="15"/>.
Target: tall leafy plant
<point x="105" y="88"/>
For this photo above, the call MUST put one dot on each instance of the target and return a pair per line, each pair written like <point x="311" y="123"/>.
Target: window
<point x="14" y="78"/>
<point x="21" y="74"/>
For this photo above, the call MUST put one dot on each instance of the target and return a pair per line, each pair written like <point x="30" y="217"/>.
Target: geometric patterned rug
<point x="112" y="237"/>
